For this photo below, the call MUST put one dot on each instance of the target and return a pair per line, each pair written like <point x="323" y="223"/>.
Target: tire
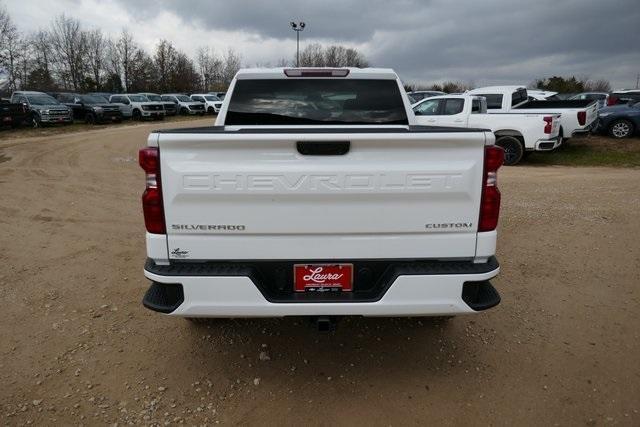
<point x="561" y="138"/>
<point x="136" y="115"/>
<point x="184" y="111"/>
<point x="210" y="110"/>
<point x="90" y="119"/>
<point x="34" y="122"/>
<point x="621" y="129"/>
<point x="513" y="149"/>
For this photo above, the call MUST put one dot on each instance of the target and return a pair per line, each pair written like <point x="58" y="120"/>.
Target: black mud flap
<point x="163" y="297"/>
<point x="480" y="295"/>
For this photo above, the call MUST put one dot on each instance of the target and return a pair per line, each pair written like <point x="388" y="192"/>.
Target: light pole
<point x="297" y="28"/>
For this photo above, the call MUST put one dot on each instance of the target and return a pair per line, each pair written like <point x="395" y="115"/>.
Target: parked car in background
<point x="541" y="95"/>
<point x="170" y="109"/>
<point x="141" y="107"/>
<point x="599" y="97"/>
<point x="184" y="104"/>
<point x="517" y="133"/>
<point x="90" y="108"/>
<point x="105" y="95"/>
<point x="620" y="121"/>
<point x="419" y="95"/>
<point x="12" y="114"/>
<point x="577" y="117"/>
<point x="42" y="108"/>
<point x="220" y="95"/>
<point x="624" y="96"/>
<point x="211" y="102"/>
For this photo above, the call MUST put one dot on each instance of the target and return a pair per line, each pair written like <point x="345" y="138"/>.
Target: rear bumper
<point x="548" y="144"/>
<point x="407" y="288"/>
<point x="587" y="129"/>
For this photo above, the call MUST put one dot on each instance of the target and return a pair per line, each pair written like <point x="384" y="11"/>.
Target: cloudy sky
<point x="482" y="42"/>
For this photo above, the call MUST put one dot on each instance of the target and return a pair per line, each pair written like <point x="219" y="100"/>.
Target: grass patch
<point x="591" y="151"/>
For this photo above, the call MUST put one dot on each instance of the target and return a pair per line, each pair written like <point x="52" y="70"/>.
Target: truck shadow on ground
<point x="358" y="347"/>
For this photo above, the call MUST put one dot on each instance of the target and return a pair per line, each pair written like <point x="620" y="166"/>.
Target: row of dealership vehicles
<point x="40" y="108"/>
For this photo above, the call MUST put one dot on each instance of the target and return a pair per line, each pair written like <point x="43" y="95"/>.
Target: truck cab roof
<point x="316" y="72"/>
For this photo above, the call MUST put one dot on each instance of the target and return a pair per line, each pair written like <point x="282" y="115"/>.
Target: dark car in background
<point x="90" y="108"/>
<point x="619" y="121"/>
<point x="624" y="96"/>
<point x="600" y="97"/>
<point x="11" y="114"/>
<point x="42" y="108"/>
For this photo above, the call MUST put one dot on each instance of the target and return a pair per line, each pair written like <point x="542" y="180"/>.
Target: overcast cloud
<point x="483" y="42"/>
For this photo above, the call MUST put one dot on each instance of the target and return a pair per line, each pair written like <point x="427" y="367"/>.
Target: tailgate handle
<point x="323" y="148"/>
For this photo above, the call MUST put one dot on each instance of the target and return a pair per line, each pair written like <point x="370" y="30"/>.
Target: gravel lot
<point x="77" y="347"/>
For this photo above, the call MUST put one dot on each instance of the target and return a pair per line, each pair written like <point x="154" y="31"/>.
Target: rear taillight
<point x="152" y="206"/>
<point x="548" y="120"/>
<point x="612" y="100"/>
<point x="490" y="200"/>
<point x="582" y="117"/>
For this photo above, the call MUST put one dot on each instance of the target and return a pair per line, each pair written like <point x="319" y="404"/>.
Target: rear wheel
<point x="34" y="121"/>
<point x="513" y="149"/>
<point x="621" y="129"/>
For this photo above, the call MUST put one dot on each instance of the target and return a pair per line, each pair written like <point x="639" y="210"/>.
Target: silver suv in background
<point x="142" y="107"/>
<point x="184" y="104"/>
<point x="42" y="108"/>
<point x="211" y="102"/>
<point x="170" y="108"/>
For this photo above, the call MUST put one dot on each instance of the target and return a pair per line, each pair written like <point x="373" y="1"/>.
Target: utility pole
<point x="297" y="27"/>
<point x="638" y="81"/>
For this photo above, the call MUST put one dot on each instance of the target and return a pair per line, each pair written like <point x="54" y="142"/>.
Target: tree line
<point x="67" y="56"/>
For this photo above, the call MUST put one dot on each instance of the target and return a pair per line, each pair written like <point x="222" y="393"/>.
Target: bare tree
<point x="231" y="65"/>
<point x="209" y="67"/>
<point x="96" y="56"/>
<point x="312" y="56"/>
<point x="69" y="45"/>
<point x="12" y="50"/>
<point x="126" y="50"/>
<point x="599" y="85"/>
<point x="315" y="55"/>
<point x="165" y="63"/>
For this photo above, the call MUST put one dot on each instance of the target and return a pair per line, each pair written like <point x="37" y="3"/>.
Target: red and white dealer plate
<point x="323" y="277"/>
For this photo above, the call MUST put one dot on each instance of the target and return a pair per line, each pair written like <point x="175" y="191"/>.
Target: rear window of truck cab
<point x="316" y="102"/>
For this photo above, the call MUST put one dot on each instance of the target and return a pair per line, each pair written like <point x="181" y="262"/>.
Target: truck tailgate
<point x="238" y="195"/>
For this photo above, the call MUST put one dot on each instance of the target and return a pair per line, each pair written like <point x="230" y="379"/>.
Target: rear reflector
<point x="316" y="72"/>
<point x="490" y="199"/>
<point x="612" y="100"/>
<point x="152" y="205"/>
<point x="582" y="117"/>
<point x="548" y="124"/>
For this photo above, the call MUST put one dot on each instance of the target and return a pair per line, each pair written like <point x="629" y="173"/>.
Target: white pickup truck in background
<point x="577" y="116"/>
<point x="517" y="133"/>
<point x="315" y="194"/>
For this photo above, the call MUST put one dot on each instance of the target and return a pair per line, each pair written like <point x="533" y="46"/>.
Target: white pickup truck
<point x="315" y="194"/>
<point x="577" y="116"/>
<point x="516" y="133"/>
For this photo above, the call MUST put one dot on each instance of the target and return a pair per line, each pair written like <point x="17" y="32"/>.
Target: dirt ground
<point x="77" y="347"/>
